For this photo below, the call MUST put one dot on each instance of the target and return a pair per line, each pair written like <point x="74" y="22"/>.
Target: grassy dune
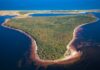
<point x="52" y="34"/>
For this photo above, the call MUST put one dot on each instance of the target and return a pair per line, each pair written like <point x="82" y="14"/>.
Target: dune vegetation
<point x="51" y="33"/>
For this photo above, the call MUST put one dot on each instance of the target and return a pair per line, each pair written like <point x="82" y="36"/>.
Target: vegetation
<point x="52" y="34"/>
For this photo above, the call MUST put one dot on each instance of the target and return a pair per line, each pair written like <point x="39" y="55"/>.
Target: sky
<point x="49" y="4"/>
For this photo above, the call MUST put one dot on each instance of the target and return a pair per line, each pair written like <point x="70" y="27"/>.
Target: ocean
<point x="49" y="4"/>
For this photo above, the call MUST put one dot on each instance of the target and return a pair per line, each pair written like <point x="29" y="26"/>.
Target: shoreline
<point x="72" y="58"/>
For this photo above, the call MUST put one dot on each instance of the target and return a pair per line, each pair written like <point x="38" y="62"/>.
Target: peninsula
<point x="52" y="34"/>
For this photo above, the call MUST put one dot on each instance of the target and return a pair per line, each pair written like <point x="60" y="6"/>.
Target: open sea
<point x="49" y="4"/>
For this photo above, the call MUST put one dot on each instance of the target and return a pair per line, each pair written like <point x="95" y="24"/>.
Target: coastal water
<point x="91" y="31"/>
<point x="50" y="15"/>
<point x="14" y="44"/>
